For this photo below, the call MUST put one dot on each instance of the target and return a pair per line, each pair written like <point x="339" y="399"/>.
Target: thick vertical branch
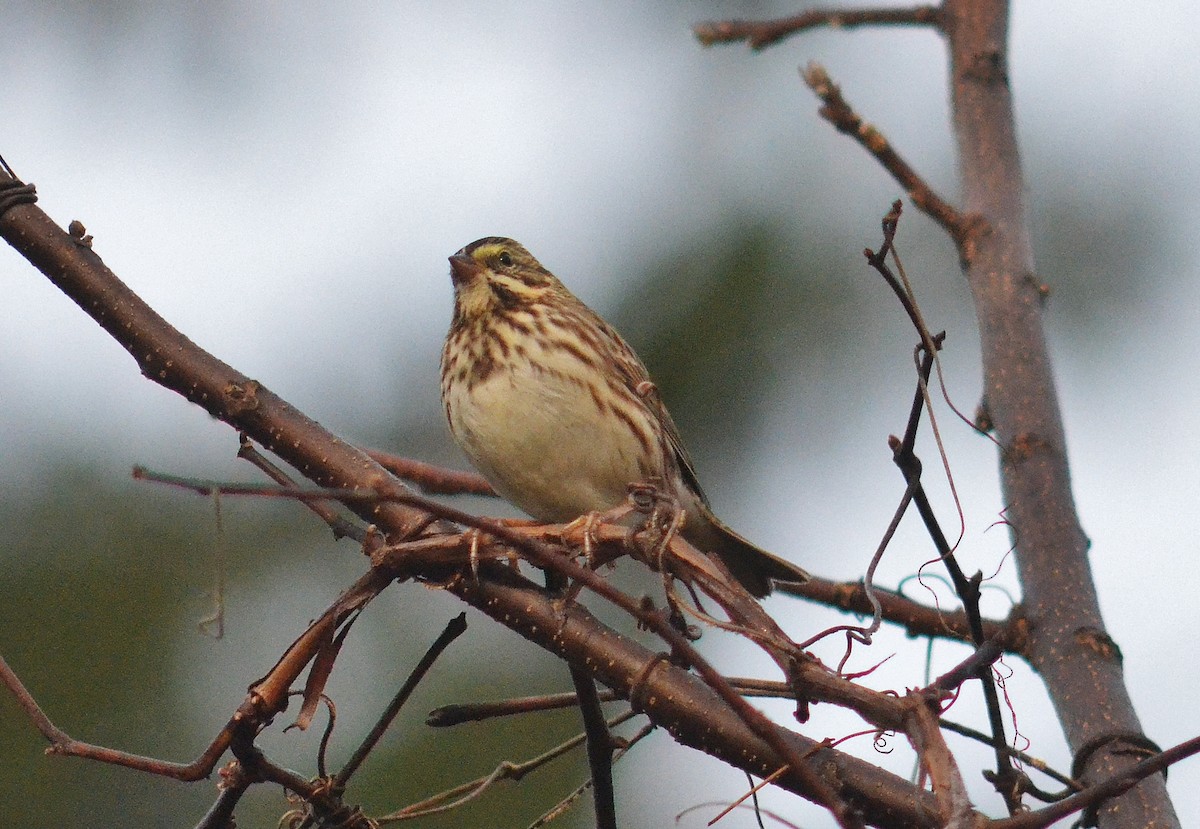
<point x="1067" y="643"/>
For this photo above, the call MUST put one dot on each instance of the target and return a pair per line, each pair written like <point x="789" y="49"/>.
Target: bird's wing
<point x="637" y="379"/>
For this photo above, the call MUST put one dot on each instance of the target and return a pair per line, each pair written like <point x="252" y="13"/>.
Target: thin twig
<point x="836" y="111"/>
<point x="1006" y="778"/>
<point x="454" y="628"/>
<point x="507" y="770"/>
<point x="856" y="633"/>
<point x="457" y="714"/>
<point x="761" y="34"/>
<point x="751" y="795"/>
<point x="342" y="528"/>
<point x="207" y="486"/>
<point x="433" y="480"/>
<point x="1113" y="786"/>
<point x="63" y="743"/>
<point x="1025" y="758"/>
<point x="917" y="619"/>
<point x="326" y="736"/>
<point x="969" y="668"/>
<point x="566" y="802"/>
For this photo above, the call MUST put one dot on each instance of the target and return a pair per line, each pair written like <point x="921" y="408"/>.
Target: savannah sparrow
<point x="558" y="413"/>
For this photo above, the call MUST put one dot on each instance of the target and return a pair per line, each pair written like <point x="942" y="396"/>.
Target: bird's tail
<point x="754" y="567"/>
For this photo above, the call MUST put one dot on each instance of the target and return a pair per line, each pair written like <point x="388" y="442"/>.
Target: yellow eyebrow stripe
<point x="485" y="252"/>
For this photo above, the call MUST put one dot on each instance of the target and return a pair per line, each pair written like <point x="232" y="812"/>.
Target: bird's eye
<point x="505" y="259"/>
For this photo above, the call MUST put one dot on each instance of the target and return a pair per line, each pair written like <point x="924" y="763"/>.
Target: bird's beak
<point x="463" y="268"/>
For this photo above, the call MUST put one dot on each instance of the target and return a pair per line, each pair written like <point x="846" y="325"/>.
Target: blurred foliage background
<point x="285" y="184"/>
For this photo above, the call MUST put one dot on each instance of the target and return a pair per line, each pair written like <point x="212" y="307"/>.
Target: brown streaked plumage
<point x="558" y="413"/>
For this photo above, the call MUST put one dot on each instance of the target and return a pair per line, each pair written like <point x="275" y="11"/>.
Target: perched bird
<point x="558" y="413"/>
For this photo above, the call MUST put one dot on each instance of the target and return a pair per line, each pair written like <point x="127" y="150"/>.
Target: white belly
<point x="543" y="443"/>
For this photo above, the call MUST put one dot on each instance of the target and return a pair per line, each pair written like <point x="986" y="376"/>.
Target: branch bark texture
<point x="1067" y="644"/>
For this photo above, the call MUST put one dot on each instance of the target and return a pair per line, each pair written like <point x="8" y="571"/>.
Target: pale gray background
<point x="285" y="182"/>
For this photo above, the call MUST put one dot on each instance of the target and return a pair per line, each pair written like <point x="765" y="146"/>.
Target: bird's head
<point x="495" y="274"/>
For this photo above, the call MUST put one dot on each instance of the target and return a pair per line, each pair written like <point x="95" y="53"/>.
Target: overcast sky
<point x="284" y="184"/>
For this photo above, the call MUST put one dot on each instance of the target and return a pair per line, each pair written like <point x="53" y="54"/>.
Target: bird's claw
<point x="585" y="527"/>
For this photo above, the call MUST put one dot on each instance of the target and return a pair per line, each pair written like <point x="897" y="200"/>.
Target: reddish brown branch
<point x="949" y="789"/>
<point x="742" y="609"/>
<point x="64" y="744"/>
<point x="670" y="694"/>
<point x="916" y="619"/>
<point x="322" y="800"/>
<point x="764" y="33"/>
<point x="267" y="697"/>
<point x="431" y="479"/>
<point x="166" y="356"/>
<point x="341" y="527"/>
<point x="838" y="112"/>
<point x="1111" y="787"/>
